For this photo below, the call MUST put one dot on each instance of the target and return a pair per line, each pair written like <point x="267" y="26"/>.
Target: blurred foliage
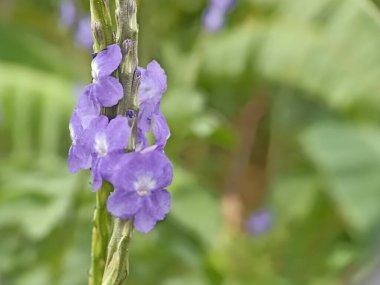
<point x="317" y="65"/>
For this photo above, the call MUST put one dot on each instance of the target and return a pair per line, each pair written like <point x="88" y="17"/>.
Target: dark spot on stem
<point x="131" y="113"/>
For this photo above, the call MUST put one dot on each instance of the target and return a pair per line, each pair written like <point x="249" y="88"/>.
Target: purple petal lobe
<point x="123" y="204"/>
<point x="108" y="167"/>
<point x="75" y="127"/>
<point x="144" y="221"/>
<point x="96" y="175"/>
<point x="146" y="116"/>
<point x="95" y="130"/>
<point x="142" y="141"/>
<point x="153" y="83"/>
<point x="108" y="91"/>
<point x="160" y="130"/>
<point x="87" y="108"/>
<point x="154" y="208"/>
<point x="106" y="61"/>
<point x="160" y="204"/>
<point x="79" y="158"/>
<point x="118" y="132"/>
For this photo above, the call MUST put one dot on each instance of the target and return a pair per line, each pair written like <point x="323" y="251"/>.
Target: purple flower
<point x="161" y="130"/>
<point x="100" y="140"/>
<point x="142" y="141"/>
<point x="87" y="108"/>
<point x="215" y="14"/>
<point x="153" y="86"/>
<point x="139" y="178"/>
<point x="83" y="34"/>
<point x="105" y="90"/>
<point x="78" y="156"/>
<point x="153" y="83"/>
<point x="140" y="181"/>
<point x="67" y="13"/>
<point x="259" y="222"/>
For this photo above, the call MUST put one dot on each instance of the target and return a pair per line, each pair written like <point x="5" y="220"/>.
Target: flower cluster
<point x="215" y="14"/>
<point x="139" y="178"/>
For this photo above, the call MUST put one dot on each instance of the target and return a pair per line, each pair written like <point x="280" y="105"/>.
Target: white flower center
<point x="94" y="71"/>
<point x="72" y="133"/>
<point x="101" y="146"/>
<point x="94" y="75"/>
<point x="144" y="185"/>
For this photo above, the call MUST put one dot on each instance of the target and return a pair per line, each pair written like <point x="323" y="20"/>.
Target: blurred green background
<point x="278" y="112"/>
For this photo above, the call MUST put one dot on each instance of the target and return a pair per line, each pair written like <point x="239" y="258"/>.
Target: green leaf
<point x="348" y="158"/>
<point x="205" y="221"/>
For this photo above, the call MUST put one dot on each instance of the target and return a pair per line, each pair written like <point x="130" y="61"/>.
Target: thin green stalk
<point x="101" y="24"/>
<point x="103" y="36"/>
<point x="117" y="266"/>
<point x="100" y="235"/>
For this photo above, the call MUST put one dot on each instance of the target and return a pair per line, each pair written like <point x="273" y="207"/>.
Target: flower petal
<point x="117" y="133"/>
<point x="160" y="130"/>
<point x="153" y="83"/>
<point x="135" y="164"/>
<point x="87" y="108"/>
<point x="160" y="167"/>
<point x="159" y="203"/>
<point x="123" y="173"/>
<point x="75" y="127"/>
<point x="142" y="141"/>
<point x="144" y="222"/>
<point x="108" y="167"/>
<point x="106" y="61"/>
<point x="96" y="127"/>
<point x="79" y="158"/>
<point x="123" y="205"/>
<point x="108" y="91"/>
<point x="154" y="208"/>
<point x="145" y="116"/>
<point x="96" y="175"/>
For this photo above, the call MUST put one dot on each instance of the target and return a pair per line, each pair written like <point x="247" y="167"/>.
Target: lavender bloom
<point x="215" y="14"/>
<point x="161" y="130"/>
<point x="139" y="178"/>
<point x="67" y="13"/>
<point x="259" y="222"/>
<point x="100" y="140"/>
<point x="78" y="158"/>
<point x="87" y="108"/>
<point x="140" y="181"/>
<point x="105" y="89"/>
<point x="142" y="141"/>
<point x="153" y="85"/>
<point x="83" y="34"/>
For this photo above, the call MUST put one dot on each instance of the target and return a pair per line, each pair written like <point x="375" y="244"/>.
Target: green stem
<point x="101" y="24"/>
<point x="103" y="36"/>
<point x="117" y="266"/>
<point x="100" y="235"/>
<point x="127" y="38"/>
